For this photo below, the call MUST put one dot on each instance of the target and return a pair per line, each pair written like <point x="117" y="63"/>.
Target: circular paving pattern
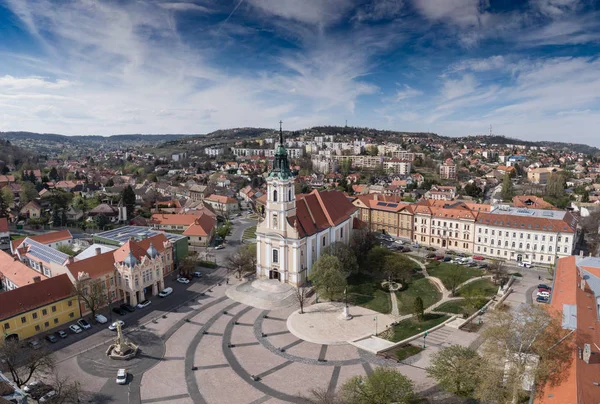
<point x="95" y="361"/>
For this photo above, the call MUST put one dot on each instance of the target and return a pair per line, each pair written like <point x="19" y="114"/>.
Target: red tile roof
<point x="318" y="211"/>
<point x="17" y="272"/>
<point x="38" y="294"/>
<point x="46" y="238"/>
<point x="202" y="226"/>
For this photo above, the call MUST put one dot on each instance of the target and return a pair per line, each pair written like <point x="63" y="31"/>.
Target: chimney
<point x="376" y="198"/>
<point x="581" y="253"/>
<point x="582" y="284"/>
<point x="71" y="260"/>
<point x="98" y="250"/>
<point x="37" y="279"/>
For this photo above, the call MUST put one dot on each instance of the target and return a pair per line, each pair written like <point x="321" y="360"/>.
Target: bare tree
<point x="91" y="291"/>
<point x="527" y="345"/>
<point x="243" y="261"/>
<point x="302" y="294"/>
<point x="188" y="264"/>
<point x="454" y="278"/>
<point x="499" y="272"/>
<point x="23" y="362"/>
<point x="67" y="391"/>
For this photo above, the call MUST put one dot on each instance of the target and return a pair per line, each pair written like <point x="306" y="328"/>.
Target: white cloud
<point x="463" y="13"/>
<point x="9" y="82"/>
<point x="480" y="65"/>
<point x="555" y="8"/>
<point x="316" y="12"/>
<point x="380" y="10"/>
<point x="458" y="88"/>
<point x="407" y="92"/>
<point x="180" y="6"/>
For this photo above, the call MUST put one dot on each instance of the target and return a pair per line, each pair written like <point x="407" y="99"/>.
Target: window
<point x="520" y="235"/>
<point x="521" y="245"/>
<point x="53" y="309"/>
<point x="46" y="324"/>
<point x="275" y="224"/>
<point x="528" y="246"/>
<point x="528" y="236"/>
<point x="323" y="241"/>
<point x="565" y="249"/>
<point x="275" y="196"/>
<point x="543" y="238"/>
<point x="514" y="234"/>
<point x="34" y="315"/>
<point x="23" y="319"/>
<point x="506" y="244"/>
<point x="71" y="314"/>
<point x="558" y="238"/>
<point x="551" y="238"/>
<point x="493" y="232"/>
<point x="44" y="312"/>
<point x="506" y="234"/>
<point x="566" y="239"/>
<point x="536" y="237"/>
<point x="513" y="244"/>
<point x="55" y="321"/>
<point x="37" y="327"/>
<point x="6" y="326"/>
<point x="275" y="256"/>
<point x="550" y="249"/>
<point x="342" y="232"/>
<point x="290" y="195"/>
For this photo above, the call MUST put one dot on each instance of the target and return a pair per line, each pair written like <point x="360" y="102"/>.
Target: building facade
<point x="386" y="214"/>
<point x="448" y="170"/>
<point x="296" y="229"/>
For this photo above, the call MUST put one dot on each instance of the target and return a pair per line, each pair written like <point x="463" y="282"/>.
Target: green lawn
<point x="420" y="287"/>
<point x="406" y="351"/>
<point x="16" y="237"/>
<point x="445" y="272"/>
<point x="249" y="233"/>
<point x="412" y="326"/>
<point x="454" y="307"/>
<point x="364" y="291"/>
<point x="485" y="286"/>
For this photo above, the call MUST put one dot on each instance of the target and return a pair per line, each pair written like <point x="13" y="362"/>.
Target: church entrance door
<point x="274" y="274"/>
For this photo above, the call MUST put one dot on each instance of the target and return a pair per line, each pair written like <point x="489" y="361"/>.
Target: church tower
<point x="281" y="198"/>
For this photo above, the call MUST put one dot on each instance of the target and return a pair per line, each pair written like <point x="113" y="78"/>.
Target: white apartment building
<point x="397" y="166"/>
<point x="532" y="235"/>
<point x="247" y="152"/>
<point x="214" y="151"/>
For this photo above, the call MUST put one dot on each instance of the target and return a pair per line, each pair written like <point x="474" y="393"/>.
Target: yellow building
<point x="36" y="308"/>
<point x="386" y="214"/>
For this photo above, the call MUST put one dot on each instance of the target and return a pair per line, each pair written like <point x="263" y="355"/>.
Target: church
<point x="296" y="228"/>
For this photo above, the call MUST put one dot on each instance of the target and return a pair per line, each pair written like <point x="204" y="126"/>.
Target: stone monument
<point x="122" y="349"/>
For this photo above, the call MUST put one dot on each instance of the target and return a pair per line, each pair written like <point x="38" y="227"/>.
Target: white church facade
<point x="297" y="228"/>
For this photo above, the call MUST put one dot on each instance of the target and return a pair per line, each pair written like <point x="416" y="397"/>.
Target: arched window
<point x="275" y="256"/>
<point x="289" y="195"/>
<point x="275" y="196"/>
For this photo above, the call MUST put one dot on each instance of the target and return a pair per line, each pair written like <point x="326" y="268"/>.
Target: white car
<point x="143" y="304"/>
<point x="84" y="324"/>
<point x="183" y="280"/>
<point x="31" y="385"/>
<point x="219" y="247"/>
<point x="113" y="326"/>
<point x="399" y="242"/>
<point x="122" y="376"/>
<point x="101" y="319"/>
<point x="75" y="328"/>
<point x="525" y="264"/>
<point x="165" y="292"/>
<point x="47" y="397"/>
<point x="544" y="294"/>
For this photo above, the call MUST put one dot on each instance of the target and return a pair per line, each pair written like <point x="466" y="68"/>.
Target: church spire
<point x="281" y="165"/>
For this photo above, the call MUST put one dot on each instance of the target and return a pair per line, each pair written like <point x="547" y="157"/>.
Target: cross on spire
<point x="281" y="132"/>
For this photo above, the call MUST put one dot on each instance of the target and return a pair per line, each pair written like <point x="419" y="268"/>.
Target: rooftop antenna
<point x="490" y="130"/>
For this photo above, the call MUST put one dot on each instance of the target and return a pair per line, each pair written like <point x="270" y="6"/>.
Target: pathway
<point x="395" y="312"/>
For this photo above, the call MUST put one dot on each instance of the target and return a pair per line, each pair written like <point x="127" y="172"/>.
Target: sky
<point x="527" y="68"/>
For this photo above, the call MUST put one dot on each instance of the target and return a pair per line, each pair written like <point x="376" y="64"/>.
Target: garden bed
<point x="365" y="291"/>
<point x="413" y="326"/>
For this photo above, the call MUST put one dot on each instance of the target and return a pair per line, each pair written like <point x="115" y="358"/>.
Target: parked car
<point x="119" y="311"/>
<point x="525" y="264"/>
<point x="183" y="280"/>
<point x="84" y="324"/>
<point x="143" y="304"/>
<point x="51" y="338"/>
<point x="35" y="344"/>
<point x="430" y="255"/>
<point x="430" y="248"/>
<point x="462" y="255"/>
<point x="405" y="249"/>
<point x="75" y="328"/>
<point x="478" y="257"/>
<point x="399" y="242"/>
<point x="543" y="290"/>
<point x="544" y="294"/>
<point x="472" y="264"/>
<point x="122" y="376"/>
<point x="219" y="247"/>
<point x="47" y="397"/>
<point x="32" y="386"/>
<point x="483" y="266"/>
<point x="450" y="252"/>
<point x="101" y="319"/>
<point x="542" y="299"/>
<point x="128" y="307"/>
<point x="197" y="274"/>
<point x="62" y="334"/>
<point x="544" y="286"/>
<point x="165" y="292"/>
<point x="447" y="259"/>
<point x="113" y="326"/>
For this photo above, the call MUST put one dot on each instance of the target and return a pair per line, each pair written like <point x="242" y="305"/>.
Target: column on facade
<point x="296" y="257"/>
<point x="142" y="296"/>
<point x="132" y="298"/>
<point x="155" y="288"/>
<point x="284" y="273"/>
<point x="161" y="284"/>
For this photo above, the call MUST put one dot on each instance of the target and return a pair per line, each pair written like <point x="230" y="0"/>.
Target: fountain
<point x="122" y="349"/>
<point x="391" y="285"/>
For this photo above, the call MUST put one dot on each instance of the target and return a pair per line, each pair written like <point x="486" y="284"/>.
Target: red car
<point x="438" y="257"/>
<point x="478" y="257"/>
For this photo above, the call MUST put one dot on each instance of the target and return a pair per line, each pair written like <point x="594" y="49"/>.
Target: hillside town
<point x="462" y="227"/>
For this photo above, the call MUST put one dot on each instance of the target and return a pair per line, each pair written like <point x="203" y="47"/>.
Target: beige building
<point x="448" y="170"/>
<point x="541" y="175"/>
<point x="297" y="228"/>
<point x="386" y="214"/>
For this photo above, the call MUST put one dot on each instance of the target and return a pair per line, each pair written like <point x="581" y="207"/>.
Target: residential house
<point x="4" y="234"/>
<point x="198" y="229"/>
<point x="199" y="192"/>
<point x="531" y="201"/>
<point x="52" y="239"/>
<point x="6" y="180"/>
<point x="32" y="210"/>
<point x="441" y="193"/>
<point x="223" y="205"/>
<point x="541" y="175"/>
<point x="448" y="170"/>
<point x="37" y="308"/>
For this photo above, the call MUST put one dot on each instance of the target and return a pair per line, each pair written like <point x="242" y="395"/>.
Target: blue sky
<point x="529" y="68"/>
